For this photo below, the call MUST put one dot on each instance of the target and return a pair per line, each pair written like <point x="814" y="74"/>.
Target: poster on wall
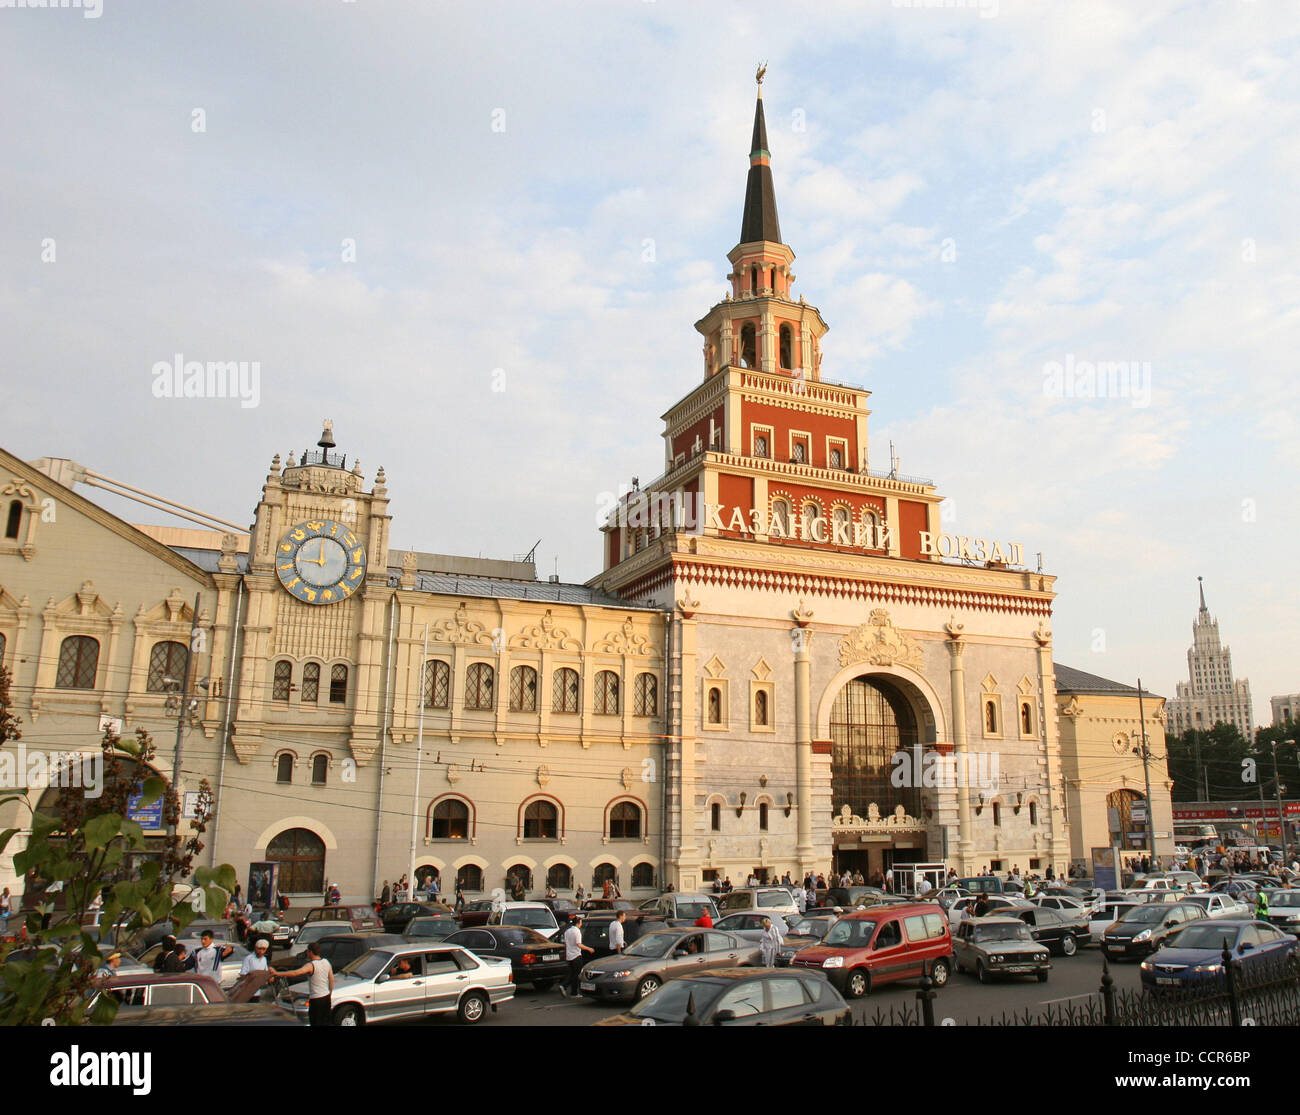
<point x="262" y="880"/>
<point x="1104" y="875"/>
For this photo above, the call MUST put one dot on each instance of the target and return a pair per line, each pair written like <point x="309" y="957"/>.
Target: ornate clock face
<point x="320" y="562"/>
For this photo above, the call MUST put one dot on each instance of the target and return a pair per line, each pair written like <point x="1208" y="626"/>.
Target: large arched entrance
<point x="1127" y="831"/>
<point x="877" y="814"/>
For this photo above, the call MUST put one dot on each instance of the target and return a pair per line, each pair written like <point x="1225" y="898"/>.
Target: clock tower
<point x="316" y="589"/>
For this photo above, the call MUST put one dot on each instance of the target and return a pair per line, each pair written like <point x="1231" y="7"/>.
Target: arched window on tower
<point x="748" y="346"/>
<point x="14" y="519"/>
<point x="787" y="347"/>
<point x="781" y="518"/>
<point x="753" y="279"/>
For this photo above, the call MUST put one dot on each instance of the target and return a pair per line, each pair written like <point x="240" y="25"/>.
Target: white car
<point x="1106" y="914"/>
<point x="531" y="915"/>
<point x="1060" y="902"/>
<point x="1221" y="905"/>
<point x="963" y="906"/>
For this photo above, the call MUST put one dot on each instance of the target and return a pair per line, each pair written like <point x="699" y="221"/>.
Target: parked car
<point x="595" y="929"/>
<point x="359" y="917"/>
<point x="1062" y="931"/>
<point x="1236" y="885"/>
<point x="804" y="932"/>
<point x="532" y="915"/>
<point x="740" y="997"/>
<point x="681" y="909"/>
<point x="980" y="884"/>
<point x="946" y="896"/>
<point x="1060" y="902"/>
<point x="1191" y="881"/>
<point x="534" y="958"/>
<point x="396" y="916"/>
<point x="434" y="928"/>
<point x="340" y="949"/>
<point x="229" y="966"/>
<point x="560" y="907"/>
<point x="997" y="946"/>
<point x="748" y="924"/>
<point x="881" y="945"/>
<point x="207" y="1014"/>
<point x="1144" y="928"/>
<point x="1220" y="906"/>
<point x="173" y="989"/>
<point x="435" y="979"/>
<point x="475" y="913"/>
<point x="647" y="964"/>
<point x="591" y="904"/>
<point x="316" y="931"/>
<point x="767" y="899"/>
<point x="965" y="907"/>
<point x="1103" y="916"/>
<point x="1197" y="953"/>
<point x="1284" y="910"/>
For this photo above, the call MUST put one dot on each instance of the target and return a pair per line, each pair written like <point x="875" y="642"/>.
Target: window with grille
<point x="437" y="684"/>
<point x="449" y="820"/>
<point x="625" y="821"/>
<point x="837" y="457"/>
<point x="478" y="686"/>
<point x="560" y="876"/>
<point x="781" y="518"/>
<point x="564" y="690"/>
<point x="800" y="453"/>
<point x="760" y="445"/>
<point x="320" y="765"/>
<point x="715" y="705"/>
<point x="284" y="768"/>
<point x="338" y="685"/>
<point x="643" y="875"/>
<point x="523" y="689"/>
<point x="607" y="693"/>
<point x="470" y="877"/>
<point x="760" y="708"/>
<point x="78" y="663"/>
<point x="646" y="698"/>
<point x="301" y="855"/>
<point x="541" y="821"/>
<point x="282" y="679"/>
<point x="166" y="660"/>
<point x="605" y="872"/>
<point x="311" y="682"/>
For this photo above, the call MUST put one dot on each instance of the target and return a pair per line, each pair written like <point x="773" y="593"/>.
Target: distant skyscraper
<point x="1210" y="695"/>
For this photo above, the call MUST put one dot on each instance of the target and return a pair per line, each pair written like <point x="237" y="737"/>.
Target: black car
<point x="741" y="997"/>
<point x="1145" y="928"/>
<point x="437" y="927"/>
<point x="1062" y="931"/>
<point x="562" y="908"/>
<point x="595" y="930"/>
<point x="340" y="949"/>
<point x="397" y="916"/>
<point x="534" y="959"/>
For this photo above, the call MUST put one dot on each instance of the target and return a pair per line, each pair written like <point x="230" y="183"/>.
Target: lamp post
<point x="1281" y="817"/>
<point x="1145" y="752"/>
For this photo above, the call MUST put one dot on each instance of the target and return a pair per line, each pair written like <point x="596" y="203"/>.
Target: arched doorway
<point x="872" y="721"/>
<point x="301" y="855"/>
<point x="1125" y="831"/>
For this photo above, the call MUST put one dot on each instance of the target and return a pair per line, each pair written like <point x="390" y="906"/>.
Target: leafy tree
<point x="91" y="847"/>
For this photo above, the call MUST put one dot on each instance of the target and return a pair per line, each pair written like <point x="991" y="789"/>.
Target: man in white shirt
<point x="320" y="985"/>
<point x="208" y="956"/>
<point x="616" y="933"/>
<point x="573" y="950"/>
<point x="256" y="960"/>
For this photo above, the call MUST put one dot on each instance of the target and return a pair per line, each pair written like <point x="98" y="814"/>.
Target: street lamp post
<point x="1281" y="817"/>
<point x="1146" y="774"/>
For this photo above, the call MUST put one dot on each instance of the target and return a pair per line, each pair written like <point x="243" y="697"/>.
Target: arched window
<point x="997" y="814"/>
<point x="480" y="679"/>
<point x="787" y="347"/>
<point x="523" y="689"/>
<point x="715" y="817"/>
<point x="564" y="690"/>
<point x="2" y="651"/>
<point x="762" y="816"/>
<point x="647" y="696"/>
<point x="78" y="663"/>
<point x="607" y="693"/>
<point x="761" y="448"/>
<point x="748" y="346"/>
<point x="1026" y="718"/>
<point x="643" y="875"/>
<point x="14" y="519"/>
<point x="437" y="684"/>
<point x="338" y="685"/>
<point x="840" y="529"/>
<point x="520" y="871"/>
<point x="836" y="457"/>
<point x="470" y="877"/>
<point x="811" y="513"/>
<point x="284" y="767"/>
<point x="781" y="518"/>
<point x="283" y="679"/>
<point x="560" y="876"/>
<point x="449" y="820"/>
<point x="753" y="280"/>
<point x="301" y="855"/>
<point x="625" y="821"/>
<point x="424" y="873"/>
<point x="990" y="717"/>
<point x="604" y="872"/>
<point x="760" y="707"/>
<point x="541" y="821"/>
<point x="311" y="682"/>
<point x="715" y="705"/>
<point x="1033" y="812"/>
<point x="166" y="660"/>
<point x="320" y="765"/>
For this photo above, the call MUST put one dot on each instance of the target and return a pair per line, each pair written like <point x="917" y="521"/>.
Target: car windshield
<point x="652" y="944"/>
<point x="432" y="927"/>
<point x="1284" y="898"/>
<point x="369" y="965"/>
<point x="670" y="1002"/>
<point x="1017" y="932"/>
<point x="1213" y="937"/>
<point x="1144" y="915"/>
<point x="316" y="932"/>
<point x="693" y="910"/>
<point x="522" y="937"/>
<point x="811" y="927"/>
<point x="529" y="918"/>
<point x="850" y="933"/>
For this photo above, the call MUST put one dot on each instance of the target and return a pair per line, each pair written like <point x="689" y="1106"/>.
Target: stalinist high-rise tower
<point x="1210" y="696"/>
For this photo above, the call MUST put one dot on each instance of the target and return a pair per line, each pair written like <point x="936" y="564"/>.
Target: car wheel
<point x="982" y="972"/>
<point x="349" y="1016"/>
<point x="857" y="985"/>
<point x="940" y="972"/>
<point x="647" y="986"/>
<point x="1069" y="946"/>
<point x="541" y="984"/>
<point x="472" y="1008"/>
<point x="1042" y="977"/>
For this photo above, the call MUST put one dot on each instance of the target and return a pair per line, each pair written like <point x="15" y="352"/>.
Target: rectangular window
<point x="338" y="685"/>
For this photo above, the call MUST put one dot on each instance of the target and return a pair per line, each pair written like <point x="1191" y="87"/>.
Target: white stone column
<point x="957" y="683"/>
<point x="801" y="638"/>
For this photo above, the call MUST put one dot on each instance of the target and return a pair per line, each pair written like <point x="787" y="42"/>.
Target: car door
<point x="398" y="996"/>
<point x="722" y="950"/>
<point x="888" y="960"/>
<point x="682" y="961"/>
<point x="961" y="945"/>
<point x="446" y="975"/>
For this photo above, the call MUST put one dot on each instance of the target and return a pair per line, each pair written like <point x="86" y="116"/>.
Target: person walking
<point x="320" y="985"/>
<point x="617" y="936"/>
<point x="573" y="950"/>
<point x="889" y="881"/>
<point x="256" y="960"/>
<point x="1261" y="905"/>
<point x="166" y="955"/>
<point x="385" y="895"/>
<point x="770" y="944"/>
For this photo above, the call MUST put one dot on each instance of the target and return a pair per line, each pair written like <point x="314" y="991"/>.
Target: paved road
<point x="963" y="1000"/>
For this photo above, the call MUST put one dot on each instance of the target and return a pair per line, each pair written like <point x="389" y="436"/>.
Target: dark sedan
<point x="436" y="928"/>
<point x="340" y="949"/>
<point x="1144" y="928"/>
<point x="1062" y="931"/>
<point x="741" y="997"/>
<point x="534" y="959"/>
<point x="397" y="916"/>
<point x="595" y="930"/>
<point x="1197" y="953"/>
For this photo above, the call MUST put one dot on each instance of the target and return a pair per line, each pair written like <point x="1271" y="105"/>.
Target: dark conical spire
<point x="1201" y="583"/>
<point x="759" y="221"/>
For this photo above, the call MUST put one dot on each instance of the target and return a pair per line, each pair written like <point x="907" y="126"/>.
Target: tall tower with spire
<point x="1210" y="695"/>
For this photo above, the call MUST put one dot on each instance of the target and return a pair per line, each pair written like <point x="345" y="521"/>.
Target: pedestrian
<point x="385" y="895"/>
<point x="6" y="910"/>
<point x="800" y="899"/>
<point x="208" y="956"/>
<point x="256" y="960"/>
<point x="178" y="960"/>
<point x="320" y="985"/>
<point x="809" y="898"/>
<point x="889" y="881"/>
<point x="704" y="921"/>
<point x="460" y="898"/>
<point x="608" y="890"/>
<point x="165" y="953"/>
<point x="550" y="891"/>
<point x="336" y="895"/>
<point x="770" y="944"/>
<point x="1261" y="905"/>
<point x="108" y="969"/>
<point x="616" y="935"/>
<point x="573" y="950"/>
<point x="432" y="887"/>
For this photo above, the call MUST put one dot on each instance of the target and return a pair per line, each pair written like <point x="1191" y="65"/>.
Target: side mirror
<point x="1245" y="946"/>
<point x="723" y="1016"/>
<point x="1170" y="923"/>
<point x="383" y="977"/>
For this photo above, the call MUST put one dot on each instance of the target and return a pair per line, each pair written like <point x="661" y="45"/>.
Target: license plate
<point x="1166" y="981"/>
<point x="586" y="985"/>
<point x="1018" y="969"/>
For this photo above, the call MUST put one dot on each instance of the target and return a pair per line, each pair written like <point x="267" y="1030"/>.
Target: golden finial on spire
<point x="758" y="77"/>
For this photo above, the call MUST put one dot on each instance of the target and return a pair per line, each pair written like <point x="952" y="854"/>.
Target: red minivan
<point x="880" y="945"/>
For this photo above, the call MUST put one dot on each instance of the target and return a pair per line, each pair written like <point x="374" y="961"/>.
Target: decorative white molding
<point x="880" y="643"/>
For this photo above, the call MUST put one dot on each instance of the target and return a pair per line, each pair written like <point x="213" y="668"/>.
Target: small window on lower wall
<point x="470" y="877"/>
<point x="338" y="685"/>
<point x="284" y="768"/>
<point x="643" y="875"/>
<point x="559" y="876"/>
<point x="715" y="817"/>
<point x="320" y="765"/>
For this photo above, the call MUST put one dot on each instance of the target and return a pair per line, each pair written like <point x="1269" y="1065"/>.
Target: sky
<point x="477" y="237"/>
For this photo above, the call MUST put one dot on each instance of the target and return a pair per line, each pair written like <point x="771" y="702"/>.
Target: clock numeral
<point x="298" y="535"/>
<point x="357" y="555"/>
<point x="354" y="574"/>
<point x="284" y="546"/>
<point x="285" y="567"/>
<point x="311" y="596"/>
<point x="316" y="526"/>
<point x="334" y="529"/>
<point x="349" y="540"/>
<point x="328" y="594"/>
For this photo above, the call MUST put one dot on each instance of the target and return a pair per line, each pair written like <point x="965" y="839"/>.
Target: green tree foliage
<point x="90" y="847"/>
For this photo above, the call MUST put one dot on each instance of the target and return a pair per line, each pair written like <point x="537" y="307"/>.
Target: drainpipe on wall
<point x="225" y="734"/>
<point x="383" y="739"/>
<point x="670" y="711"/>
